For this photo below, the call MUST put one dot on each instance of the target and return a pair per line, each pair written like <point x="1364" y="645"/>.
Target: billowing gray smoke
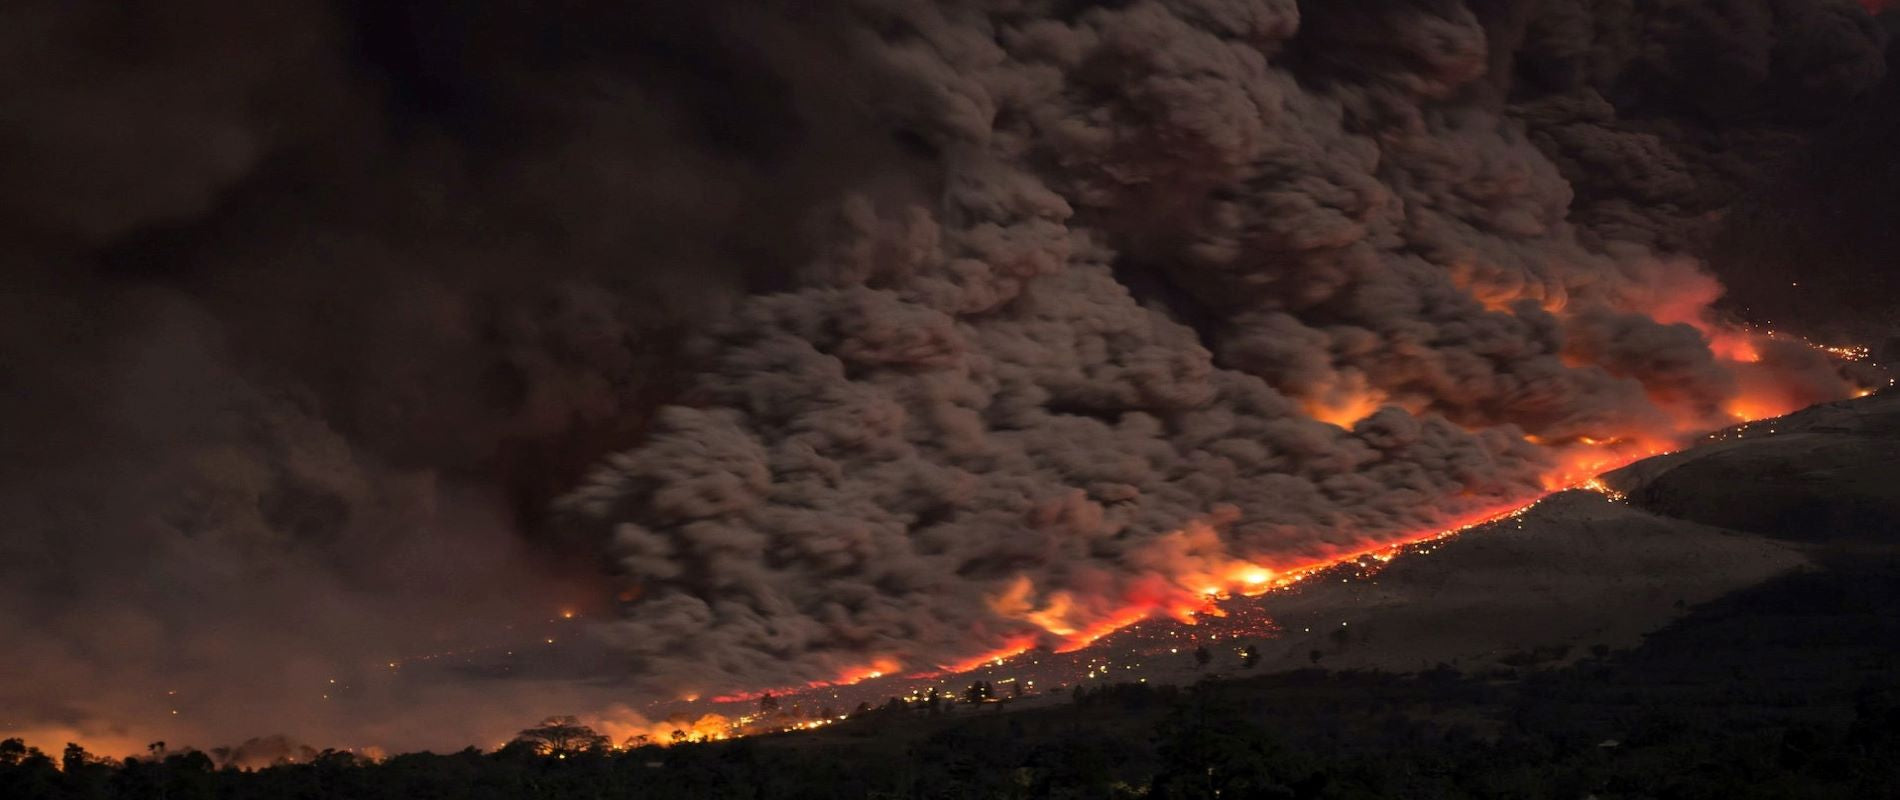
<point x="1162" y="243"/>
<point x="906" y="321"/>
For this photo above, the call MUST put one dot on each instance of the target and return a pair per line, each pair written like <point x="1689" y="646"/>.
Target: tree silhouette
<point x="767" y="704"/>
<point x="1201" y="657"/>
<point x="12" y="751"/>
<point x="73" y="758"/>
<point x="562" y="737"/>
<point x="1206" y="749"/>
<point x="1249" y="656"/>
<point x="977" y="693"/>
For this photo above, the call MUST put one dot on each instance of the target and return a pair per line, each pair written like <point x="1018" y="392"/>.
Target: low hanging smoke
<point x="857" y="333"/>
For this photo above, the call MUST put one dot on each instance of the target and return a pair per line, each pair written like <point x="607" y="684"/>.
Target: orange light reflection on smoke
<point x="1347" y="409"/>
<point x="1063" y="622"/>
<point x="1580" y="463"/>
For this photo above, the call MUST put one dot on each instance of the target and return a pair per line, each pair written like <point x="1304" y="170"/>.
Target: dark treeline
<point x="1786" y="690"/>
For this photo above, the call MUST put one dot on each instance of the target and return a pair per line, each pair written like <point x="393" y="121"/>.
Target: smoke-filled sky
<point x="787" y="338"/>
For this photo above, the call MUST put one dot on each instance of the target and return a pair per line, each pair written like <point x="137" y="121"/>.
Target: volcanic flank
<point x="793" y="342"/>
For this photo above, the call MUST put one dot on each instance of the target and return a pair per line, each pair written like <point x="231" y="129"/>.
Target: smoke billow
<point x="308" y="310"/>
<point x="849" y="332"/>
<point x="1201" y="284"/>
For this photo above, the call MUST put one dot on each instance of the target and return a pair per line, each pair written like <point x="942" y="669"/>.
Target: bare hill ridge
<point x="1831" y="472"/>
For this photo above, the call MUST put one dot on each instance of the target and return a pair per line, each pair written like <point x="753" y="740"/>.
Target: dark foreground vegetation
<point x="1791" y="689"/>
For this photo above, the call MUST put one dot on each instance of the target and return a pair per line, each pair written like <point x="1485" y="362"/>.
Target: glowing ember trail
<point x="877" y="669"/>
<point x="1190" y="572"/>
<point x="1017" y="658"/>
<point x="1064" y="623"/>
<point x="1067" y="625"/>
<point x="1017" y="646"/>
<point x="1242" y="579"/>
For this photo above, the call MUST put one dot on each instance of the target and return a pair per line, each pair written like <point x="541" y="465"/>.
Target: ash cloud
<point x="309" y="308"/>
<point x="340" y="332"/>
<point x="1170" y="239"/>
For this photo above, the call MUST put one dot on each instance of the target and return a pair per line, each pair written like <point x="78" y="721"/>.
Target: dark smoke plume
<point x="840" y="331"/>
<point x="1167" y="240"/>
